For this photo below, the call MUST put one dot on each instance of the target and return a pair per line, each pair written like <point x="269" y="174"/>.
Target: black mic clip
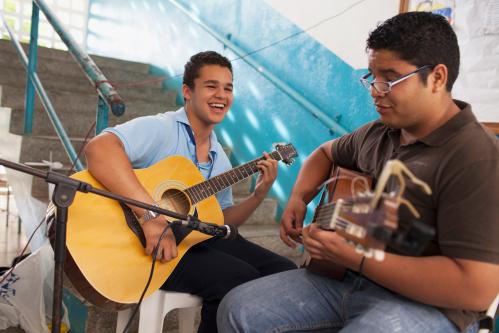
<point x="221" y="231"/>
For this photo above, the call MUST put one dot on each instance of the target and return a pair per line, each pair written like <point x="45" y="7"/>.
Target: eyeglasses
<point x="383" y="87"/>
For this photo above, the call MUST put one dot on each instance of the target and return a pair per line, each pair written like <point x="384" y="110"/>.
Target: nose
<point x="220" y="93"/>
<point x="375" y="93"/>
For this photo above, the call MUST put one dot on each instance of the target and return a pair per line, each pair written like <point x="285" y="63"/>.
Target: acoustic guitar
<point x="106" y="262"/>
<point x="366" y="218"/>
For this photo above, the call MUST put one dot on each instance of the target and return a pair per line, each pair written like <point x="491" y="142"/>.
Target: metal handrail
<point x="101" y="84"/>
<point x="109" y="98"/>
<point x="47" y="104"/>
<point x="332" y="125"/>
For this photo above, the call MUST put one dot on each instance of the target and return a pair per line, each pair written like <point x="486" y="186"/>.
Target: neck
<point x="430" y="124"/>
<point x="201" y="131"/>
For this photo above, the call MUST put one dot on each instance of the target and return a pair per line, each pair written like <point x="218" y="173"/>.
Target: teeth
<point x="216" y="105"/>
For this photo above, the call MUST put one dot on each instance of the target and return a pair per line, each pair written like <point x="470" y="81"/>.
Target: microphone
<point x="225" y="231"/>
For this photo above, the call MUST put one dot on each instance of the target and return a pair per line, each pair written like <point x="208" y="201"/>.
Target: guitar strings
<point x="184" y="193"/>
<point x="324" y="212"/>
<point x="250" y="172"/>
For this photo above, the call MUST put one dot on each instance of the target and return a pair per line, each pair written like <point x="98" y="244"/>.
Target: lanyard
<point x="193" y="140"/>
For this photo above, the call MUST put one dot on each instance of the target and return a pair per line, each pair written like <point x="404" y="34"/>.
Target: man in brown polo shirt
<point x="413" y="63"/>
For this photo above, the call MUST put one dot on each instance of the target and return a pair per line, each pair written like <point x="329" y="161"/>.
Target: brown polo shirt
<point x="460" y="162"/>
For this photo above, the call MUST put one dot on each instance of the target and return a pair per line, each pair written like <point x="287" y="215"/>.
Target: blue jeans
<point x="300" y="301"/>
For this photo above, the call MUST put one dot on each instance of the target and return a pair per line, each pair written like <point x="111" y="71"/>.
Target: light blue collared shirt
<point x="148" y="140"/>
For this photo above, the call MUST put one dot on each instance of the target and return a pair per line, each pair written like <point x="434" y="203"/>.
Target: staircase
<point x="75" y="102"/>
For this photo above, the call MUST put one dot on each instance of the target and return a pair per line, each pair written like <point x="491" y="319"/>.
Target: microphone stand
<point x="63" y="196"/>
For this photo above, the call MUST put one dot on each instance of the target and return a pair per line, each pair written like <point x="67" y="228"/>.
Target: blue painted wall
<point x="156" y="32"/>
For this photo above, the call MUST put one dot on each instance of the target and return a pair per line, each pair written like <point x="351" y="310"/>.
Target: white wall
<point x="346" y="33"/>
<point x="476" y="25"/>
<point x="477" y="28"/>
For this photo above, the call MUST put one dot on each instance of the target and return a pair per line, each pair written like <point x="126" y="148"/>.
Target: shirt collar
<point x="181" y="117"/>
<point x="445" y="132"/>
<point x="448" y="130"/>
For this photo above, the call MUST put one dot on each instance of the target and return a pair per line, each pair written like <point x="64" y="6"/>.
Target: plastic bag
<point x="26" y="295"/>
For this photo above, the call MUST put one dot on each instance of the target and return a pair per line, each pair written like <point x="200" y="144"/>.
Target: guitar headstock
<point x="287" y="152"/>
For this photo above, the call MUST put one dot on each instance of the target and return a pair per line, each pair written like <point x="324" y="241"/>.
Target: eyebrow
<point x="216" y="82"/>
<point x="387" y="71"/>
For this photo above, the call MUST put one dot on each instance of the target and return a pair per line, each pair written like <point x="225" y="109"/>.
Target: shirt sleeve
<point x="346" y="149"/>
<point x="146" y="138"/>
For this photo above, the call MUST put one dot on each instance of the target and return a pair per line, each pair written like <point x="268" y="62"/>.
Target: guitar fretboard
<point x="219" y="183"/>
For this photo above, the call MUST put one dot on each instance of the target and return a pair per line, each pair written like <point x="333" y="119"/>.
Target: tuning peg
<point x="379" y="255"/>
<point x="360" y="249"/>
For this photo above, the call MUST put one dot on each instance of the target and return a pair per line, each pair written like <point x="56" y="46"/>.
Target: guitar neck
<point x="325" y="216"/>
<point x="223" y="181"/>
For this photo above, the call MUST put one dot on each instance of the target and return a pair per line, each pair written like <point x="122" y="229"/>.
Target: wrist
<point x="259" y="194"/>
<point x="297" y="199"/>
<point x="148" y="215"/>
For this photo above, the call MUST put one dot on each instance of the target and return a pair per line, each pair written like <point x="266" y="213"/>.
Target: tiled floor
<point x="11" y="241"/>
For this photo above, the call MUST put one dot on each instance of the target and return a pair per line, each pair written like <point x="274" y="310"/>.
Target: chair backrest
<point x="487" y="324"/>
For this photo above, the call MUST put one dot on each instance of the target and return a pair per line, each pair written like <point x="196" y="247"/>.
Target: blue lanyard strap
<point x="193" y="140"/>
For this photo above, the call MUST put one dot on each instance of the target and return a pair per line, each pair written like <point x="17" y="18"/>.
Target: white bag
<point x="26" y="295"/>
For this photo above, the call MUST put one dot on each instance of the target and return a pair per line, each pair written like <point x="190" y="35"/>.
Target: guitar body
<point x="107" y="263"/>
<point x="345" y="182"/>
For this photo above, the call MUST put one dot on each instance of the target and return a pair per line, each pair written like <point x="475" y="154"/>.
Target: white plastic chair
<point x="491" y="312"/>
<point x="154" y="309"/>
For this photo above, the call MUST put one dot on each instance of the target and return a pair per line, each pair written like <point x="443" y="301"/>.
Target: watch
<point x="147" y="216"/>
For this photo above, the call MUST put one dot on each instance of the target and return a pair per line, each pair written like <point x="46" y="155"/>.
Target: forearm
<point x="313" y="173"/>
<point x="438" y="280"/>
<point x="236" y="215"/>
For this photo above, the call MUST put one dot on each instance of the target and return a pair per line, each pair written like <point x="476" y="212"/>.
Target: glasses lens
<point x="382" y="87"/>
<point x="365" y="83"/>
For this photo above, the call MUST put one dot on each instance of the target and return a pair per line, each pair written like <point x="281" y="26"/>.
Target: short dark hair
<point x="420" y="38"/>
<point x="197" y="61"/>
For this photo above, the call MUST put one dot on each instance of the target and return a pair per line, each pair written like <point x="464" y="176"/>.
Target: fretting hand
<point x="268" y="174"/>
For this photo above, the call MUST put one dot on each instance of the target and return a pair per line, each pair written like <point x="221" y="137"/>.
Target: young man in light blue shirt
<point x="211" y="268"/>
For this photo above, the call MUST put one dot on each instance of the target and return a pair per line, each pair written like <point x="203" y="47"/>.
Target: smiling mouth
<point x="218" y="106"/>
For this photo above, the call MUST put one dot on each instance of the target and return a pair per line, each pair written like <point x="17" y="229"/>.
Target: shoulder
<point x="474" y="144"/>
<point x="367" y="134"/>
<point x="152" y="125"/>
<point x="372" y="130"/>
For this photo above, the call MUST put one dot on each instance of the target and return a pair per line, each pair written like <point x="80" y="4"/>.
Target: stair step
<point x="74" y="71"/>
<point x="77" y="109"/>
<point x="242" y="189"/>
<point x="64" y="56"/>
<point x="267" y="236"/>
<point x="78" y="122"/>
<point x="264" y="214"/>
<point x="14" y="97"/>
<point x="60" y="81"/>
<point x="38" y="148"/>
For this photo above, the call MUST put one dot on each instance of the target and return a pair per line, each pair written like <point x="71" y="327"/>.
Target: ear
<point x="438" y="78"/>
<point x="186" y="91"/>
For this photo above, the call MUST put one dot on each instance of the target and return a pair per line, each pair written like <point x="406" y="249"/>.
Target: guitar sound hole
<point x="176" y="201"/>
